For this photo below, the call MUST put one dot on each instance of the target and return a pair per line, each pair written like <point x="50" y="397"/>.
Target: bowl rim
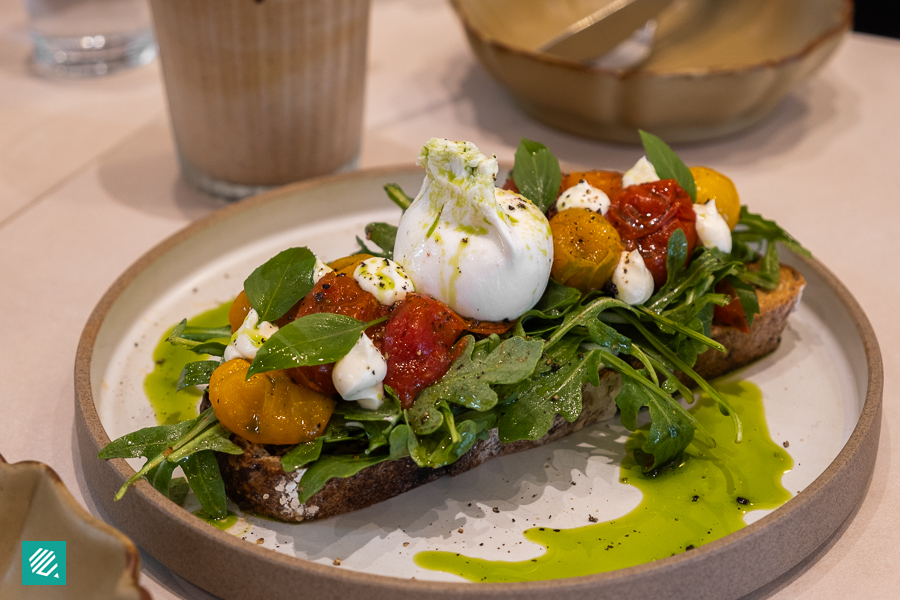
<point x="844" y="24"/>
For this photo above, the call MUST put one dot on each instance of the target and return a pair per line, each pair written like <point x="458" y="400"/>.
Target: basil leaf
<point x="341" y="465"/>
<point x="315" y="339"/>
<point x="196" y="373"/>
<point x="536" y="173"/>
<point x="382" y="234"/>
<point x="398" y="196"/>
<point x="202" y="471"/>
<point x="531" y="415"/>
<point x="667" y="164"/>
<point x="279" y="283"/>
<point x="301" y="455"/>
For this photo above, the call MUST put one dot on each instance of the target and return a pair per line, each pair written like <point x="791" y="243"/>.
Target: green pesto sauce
<point x="223" y="523"/>
<point x="171" y="406"/>
<point x="690" y="504"/>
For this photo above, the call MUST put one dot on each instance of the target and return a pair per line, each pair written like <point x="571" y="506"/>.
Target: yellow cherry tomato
<point x="348" y="263"/>
<point x="712" y="185"/>
<point x="586" y="249"/>
<point x="269" y="408"/>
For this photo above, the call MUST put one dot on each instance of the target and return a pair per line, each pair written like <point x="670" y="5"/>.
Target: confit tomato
<point x="732" y="314"/>
<point x="337" y="293"/>
<point x="645" y="215"/>
<point x="268" y="408"/>
<point x="417" y="344"/>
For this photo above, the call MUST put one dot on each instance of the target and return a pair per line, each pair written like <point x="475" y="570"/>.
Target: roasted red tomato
<point x="339" y="294"/>
<point x="645" y="216"/>
<point x="732" y="314"/>
<point x="417" y="344"/>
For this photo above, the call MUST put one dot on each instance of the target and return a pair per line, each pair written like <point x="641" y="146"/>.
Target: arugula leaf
<point x="202" y="471"/>
<point x="198" y="339"/>
<point x="536" y="173"/>
<point x="301" y="455"/>
<point x="147" y="442"/>
<point x="215" y="438"/>
<point x="667" y="164"/>
<point x="398" y="196"/>
<point x="315" y="339"/>
<point x="198" y="372"/>
<point x="339" y="465"/>
<point x="670" y="432"/>
<point x="558" y="391"/>
<point x="754" y="228"/>
<point x="279" y="283"/>
<point x="160" y="477"/>
<point x="468" y="382"/>
<point x="388" y="412"/>
<point x="747" y="297"/>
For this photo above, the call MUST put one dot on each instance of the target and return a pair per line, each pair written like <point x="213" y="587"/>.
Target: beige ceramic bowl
<point x="101" y="563"/>
<point x="717" y="66"/>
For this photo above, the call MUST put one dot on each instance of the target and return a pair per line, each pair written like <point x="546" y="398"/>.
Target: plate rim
<point x="834" y="496"/>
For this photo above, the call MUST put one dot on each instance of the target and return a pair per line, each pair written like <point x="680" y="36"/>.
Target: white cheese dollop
<point x="483" y="251"/>
<point x="712" y="229"/>
<point x="249" y="337"/>
<point x="634" y="283"/>
<point x="320" y="270"/>
<point x="584" y="195"/>
<point x="384" y="279"/>
<point x="641" y="172"/>
<point x="358" y="375"/>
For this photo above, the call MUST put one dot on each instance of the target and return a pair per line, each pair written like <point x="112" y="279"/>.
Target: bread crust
<point x="256" y="481"/>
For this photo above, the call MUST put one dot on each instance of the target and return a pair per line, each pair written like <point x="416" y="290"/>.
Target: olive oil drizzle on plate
<point x="702" y="499"/>
<point x="171" y="406"/>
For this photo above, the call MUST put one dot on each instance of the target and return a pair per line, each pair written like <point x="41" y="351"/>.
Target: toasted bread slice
<point x="256" y="481"/>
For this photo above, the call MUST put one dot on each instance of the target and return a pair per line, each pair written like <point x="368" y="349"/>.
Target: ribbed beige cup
<point x="263" y="92"/>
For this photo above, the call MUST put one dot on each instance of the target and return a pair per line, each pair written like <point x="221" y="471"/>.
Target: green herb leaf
<point x="196" y="373"/>
<point x="301" y="455"/>
<point x="198" y="339"/>
<point x="341" y="465"/>
<point x="382" y="234"/>
<point x="670" y="432"/>
<point x="147" y="442"/>
<point x="160" y="477"/>
<point x="389" y="411"/>
<point x="747" y="296"/>
<point x="468" y="382"/>
<point x="315" y="339"/>
<point x="531" y="415"/>
<point x="398" y="197"/>
<point x="279" y="283"/>
<point x="202" y="471"/>
<point x="537" y="174"/>
<point x="667" y="164"/>
<point x="215" y="438"/>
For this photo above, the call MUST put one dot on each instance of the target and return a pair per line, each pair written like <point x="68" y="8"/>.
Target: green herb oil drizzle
<point x="687" y="505"/>
<point x="172" y="406"/>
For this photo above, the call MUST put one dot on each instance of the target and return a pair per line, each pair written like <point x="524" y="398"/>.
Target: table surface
<point x="89" y="182"/>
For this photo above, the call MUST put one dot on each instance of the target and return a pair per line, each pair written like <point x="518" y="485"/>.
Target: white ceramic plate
<point x="816" y="387"/>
